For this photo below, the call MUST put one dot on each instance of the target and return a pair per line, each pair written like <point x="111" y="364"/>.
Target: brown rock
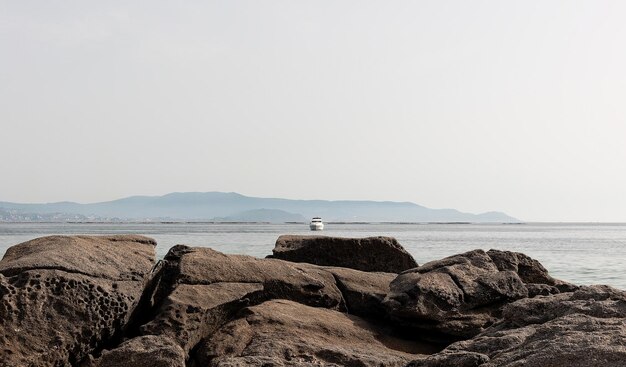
<point x="451" y="359"/>
<point x="285" y="333"/>
<point x="201" y="289"/>
<point x="121" y="257"/>
<point x="362" y="291"/>
<point x="582" y="328"/>
<point x="459" y="296"/>
<point x="573" y="340"/>
<point x="62" y="297"/>
<point x="530" y="271"/>
<point x="596" y="301"/>
<point x="191" y="312"/>
<point x="143" y="351"/>
<point x="382" y="254"/>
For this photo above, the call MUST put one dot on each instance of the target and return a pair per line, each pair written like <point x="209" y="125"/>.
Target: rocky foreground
<point x="316" y="301"/>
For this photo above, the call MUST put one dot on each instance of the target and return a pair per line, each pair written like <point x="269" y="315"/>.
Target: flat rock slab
<point x="285" y="333"/>
<point x="61" y="297"/>
<point x="382" y="254"/>
<point x="121" y="257"/>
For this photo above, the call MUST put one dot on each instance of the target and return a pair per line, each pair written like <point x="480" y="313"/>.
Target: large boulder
<point x="459" y="296"/>
<point x="285" y="333"/>
<point x="62" y="297"/>
<point x="582" y="328"/>
<point x="201" y="289"/>
<point x="382" y="254"/>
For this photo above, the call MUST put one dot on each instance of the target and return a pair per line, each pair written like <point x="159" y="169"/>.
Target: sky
<point x="513" y="106"/>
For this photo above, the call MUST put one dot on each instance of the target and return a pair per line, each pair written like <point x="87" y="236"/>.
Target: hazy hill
<point x="263" y="215"/>
<point x="211" y="205"/>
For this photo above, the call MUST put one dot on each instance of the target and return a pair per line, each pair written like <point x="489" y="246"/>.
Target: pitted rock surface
<point x="61" y="297"/>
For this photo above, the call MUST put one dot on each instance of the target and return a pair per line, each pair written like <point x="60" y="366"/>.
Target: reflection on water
<point x="579" y="253"/>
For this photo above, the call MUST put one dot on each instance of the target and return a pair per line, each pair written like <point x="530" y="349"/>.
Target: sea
<point x="581" y="253"/>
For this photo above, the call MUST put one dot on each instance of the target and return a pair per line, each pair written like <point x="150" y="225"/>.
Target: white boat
<point x="316" y="224"/>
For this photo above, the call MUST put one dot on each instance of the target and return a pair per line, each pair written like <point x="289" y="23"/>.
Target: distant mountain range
<point x="233" y="207"/>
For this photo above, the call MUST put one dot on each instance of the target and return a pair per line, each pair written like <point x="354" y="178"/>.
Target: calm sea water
<point x="579" y="253"/>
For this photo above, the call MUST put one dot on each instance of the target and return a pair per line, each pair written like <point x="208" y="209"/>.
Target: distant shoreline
<point x="304" y="223"/>
<point x="242" y="222"/>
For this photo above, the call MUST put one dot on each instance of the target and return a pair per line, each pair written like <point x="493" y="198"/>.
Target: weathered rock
<point x="191" y="312"/>
<point x="143" y="351"/>
<point x="582" y="328"/>
<point x="459" y="296"/>
<point x="451" y="359"/>
<point x="530" y="271"/>
<point x="62" y="297"/>
<point x="596" y="301"/>
<point x="362" y="291"/>
<point x="201" y="289"/>
<point x="574" y="340"/>
<point x="64" y="300"/>
<point x="285" y="333"/>
<point x="382" y="254"/>
<point x="120" y="257"/>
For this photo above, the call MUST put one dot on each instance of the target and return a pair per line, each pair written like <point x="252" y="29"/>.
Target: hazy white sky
<point x="518" y="106"/>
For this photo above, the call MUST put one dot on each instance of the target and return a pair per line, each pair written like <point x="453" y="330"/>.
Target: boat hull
<point x="316" y="226"/>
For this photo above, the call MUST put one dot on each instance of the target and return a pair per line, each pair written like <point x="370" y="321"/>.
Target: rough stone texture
<point x="201" y="289"/>
<point x="62" y="297"/>
<point x="451" y="359"/>
<point x="285" y="333"/>
<point x="97" y="301"/>
<point x="191" y="312"/>
<point x="362" y="291"/>
<point x="121" y="257"/>
<point x="582" y="328"/>
<point x="459" y="296"/>
<point x="595" y="301"/>
<point x="530" y="271"/>
<point x="383" y="254"/>
<point x="143" y="351"/>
